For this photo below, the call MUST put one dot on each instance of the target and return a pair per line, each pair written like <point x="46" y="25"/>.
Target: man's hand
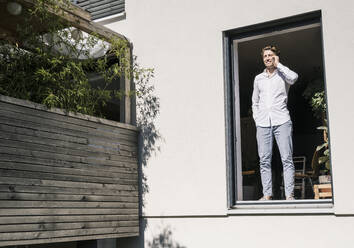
<point x="275" y="61"/>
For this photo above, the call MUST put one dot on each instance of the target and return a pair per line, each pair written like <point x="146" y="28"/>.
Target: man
<point x="270" y="113"/>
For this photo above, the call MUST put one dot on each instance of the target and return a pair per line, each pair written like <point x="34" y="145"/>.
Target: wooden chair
<point x="300" y="174"/>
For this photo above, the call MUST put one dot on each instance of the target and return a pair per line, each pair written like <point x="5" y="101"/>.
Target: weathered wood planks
<point x="65" y="176"/>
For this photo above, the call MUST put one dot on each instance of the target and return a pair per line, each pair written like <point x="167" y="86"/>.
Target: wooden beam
<point x="128" y="102"/>
<point x="72" y="14"/>
<point x="81" y="19"/>
<point x="125" y="104"/>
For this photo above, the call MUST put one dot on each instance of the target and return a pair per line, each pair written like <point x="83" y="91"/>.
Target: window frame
<point x="232" y="106"/>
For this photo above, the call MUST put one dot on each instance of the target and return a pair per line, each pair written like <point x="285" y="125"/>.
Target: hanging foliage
<point x="53" y="67"/>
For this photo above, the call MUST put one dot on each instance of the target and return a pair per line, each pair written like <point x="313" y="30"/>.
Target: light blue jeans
<point x="283" y="137"/>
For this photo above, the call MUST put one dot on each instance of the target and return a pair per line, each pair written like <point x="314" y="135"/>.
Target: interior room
<point x="301" y="51"/>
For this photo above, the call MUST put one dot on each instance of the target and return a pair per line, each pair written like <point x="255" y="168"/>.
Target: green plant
<point x="324" y="159"/>
<point x="50" y="63"/>
<point x="319" y="107"/>
<point x="315" y="93"/>
<point x="318" y="104"/>
<point x="46" y="65"/>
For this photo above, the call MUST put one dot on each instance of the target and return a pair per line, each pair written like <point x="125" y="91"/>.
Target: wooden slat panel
<point x="66" y="204"/>
<point x="62" y="197"/>
<point x="64" y="184"/>
<point x="63" y="211"/>
<point x="65" y="177"/>
<point x="9" y="128"/>
<point x="92" y="176"/>
<point x="11" y="188"/>
<point x="45" y="127"/>
<point x="55" y="186"/>
<point x="36" y="110"/>
<point x="67" y="239"/>
<point x="66" y="164"/>
<point x="26" y="151"/>
<point x="64" y="233"/>
<point x="64" y="226"/>
<point x="23" y="141"/>
<point x="65" y="120"/>
<point x="40" y="137"/>
<point x="66" y="128"/>
<point x="65" y="219"/>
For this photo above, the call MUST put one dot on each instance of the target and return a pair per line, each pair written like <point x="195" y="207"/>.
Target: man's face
<point x="268" y="58"/>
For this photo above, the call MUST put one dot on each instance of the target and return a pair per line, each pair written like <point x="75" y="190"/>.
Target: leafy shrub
<point x="47" y="67"/>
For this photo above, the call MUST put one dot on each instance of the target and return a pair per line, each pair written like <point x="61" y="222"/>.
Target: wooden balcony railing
<point x="65" y="176"/>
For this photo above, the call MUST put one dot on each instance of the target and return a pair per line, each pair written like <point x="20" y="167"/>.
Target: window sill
<point x="282" y="207"/>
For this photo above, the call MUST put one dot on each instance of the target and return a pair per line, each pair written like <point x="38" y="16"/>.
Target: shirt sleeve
<point x="255" y="100"/>
<point x="289" y="75"/>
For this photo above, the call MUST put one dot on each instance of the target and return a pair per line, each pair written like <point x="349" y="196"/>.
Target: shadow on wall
<point x="164" y="240"/>
<point x="148" y="109"/>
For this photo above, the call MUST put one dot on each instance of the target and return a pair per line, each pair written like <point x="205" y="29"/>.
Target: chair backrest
<point x="300" y="164"/>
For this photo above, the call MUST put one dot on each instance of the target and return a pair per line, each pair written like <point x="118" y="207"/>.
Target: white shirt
<point x="270" y="96"/>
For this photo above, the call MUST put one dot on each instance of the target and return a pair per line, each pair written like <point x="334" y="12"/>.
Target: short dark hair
<point x="274" y="49"/>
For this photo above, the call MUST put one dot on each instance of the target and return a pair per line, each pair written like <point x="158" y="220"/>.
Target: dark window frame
<point x="230" y="86"/>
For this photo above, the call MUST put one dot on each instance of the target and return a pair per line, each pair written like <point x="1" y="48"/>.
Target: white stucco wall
<point x="256" y="231"/>
<point x="182" y="40"/>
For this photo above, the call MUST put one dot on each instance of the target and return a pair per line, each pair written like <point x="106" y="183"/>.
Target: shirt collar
<point x="265" y="74"/>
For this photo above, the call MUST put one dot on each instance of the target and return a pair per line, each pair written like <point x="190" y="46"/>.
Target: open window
<point x="299" y="39"/>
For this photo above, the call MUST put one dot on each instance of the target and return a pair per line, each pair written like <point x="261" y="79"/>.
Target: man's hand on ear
<point x="275" y="61"/>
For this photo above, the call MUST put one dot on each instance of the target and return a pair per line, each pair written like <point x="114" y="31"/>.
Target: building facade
<point x="192" y="191"/>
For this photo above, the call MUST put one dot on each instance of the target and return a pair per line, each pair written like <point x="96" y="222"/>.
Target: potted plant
<point x="316" y="95"/>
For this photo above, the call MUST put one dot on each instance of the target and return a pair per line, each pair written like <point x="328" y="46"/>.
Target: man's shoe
<point x="265" y="198"/>
<point x="290" y="198"/>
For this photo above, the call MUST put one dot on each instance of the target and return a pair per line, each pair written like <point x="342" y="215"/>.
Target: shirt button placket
<point x="269" y="98"/>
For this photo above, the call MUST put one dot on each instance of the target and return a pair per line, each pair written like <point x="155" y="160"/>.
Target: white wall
<point x="256" y="231"/>
<point x="182" y="40"/>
